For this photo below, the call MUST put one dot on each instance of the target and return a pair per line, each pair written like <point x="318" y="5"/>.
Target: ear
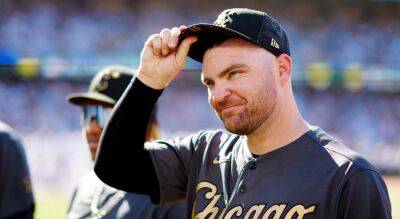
<point x="284" y="63"/>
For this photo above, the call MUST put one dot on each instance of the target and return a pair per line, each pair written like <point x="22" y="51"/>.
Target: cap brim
<point x="82" y="98"/>
<point x="207" y="34"/>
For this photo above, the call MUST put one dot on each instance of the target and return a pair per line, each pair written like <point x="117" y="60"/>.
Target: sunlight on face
<point x="241" y="84"/>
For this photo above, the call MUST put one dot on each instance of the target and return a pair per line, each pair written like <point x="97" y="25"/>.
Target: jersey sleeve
<point x="172" y="163"/>
<point x="364" y="196"/>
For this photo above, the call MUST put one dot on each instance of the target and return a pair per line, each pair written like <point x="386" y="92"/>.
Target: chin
<point x="238" y="131"/>
<point x="236" y="127"/>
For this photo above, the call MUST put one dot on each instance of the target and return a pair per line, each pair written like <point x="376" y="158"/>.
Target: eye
<point x="233" y="74"/>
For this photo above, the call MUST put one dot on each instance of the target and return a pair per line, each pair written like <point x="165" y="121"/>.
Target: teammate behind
<point x="16" y="197"/>
<point x="271" y="163"/>
<point x="92" y="198"/>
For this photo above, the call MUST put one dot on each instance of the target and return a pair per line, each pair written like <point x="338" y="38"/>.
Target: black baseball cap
<point x="106" y="87"/>
<point x="254" y="26"/>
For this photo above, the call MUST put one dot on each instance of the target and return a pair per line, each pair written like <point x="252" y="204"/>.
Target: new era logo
<point x="274" y="43"/>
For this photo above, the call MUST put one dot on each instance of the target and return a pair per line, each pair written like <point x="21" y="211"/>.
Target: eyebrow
<point x="224" y="72"/>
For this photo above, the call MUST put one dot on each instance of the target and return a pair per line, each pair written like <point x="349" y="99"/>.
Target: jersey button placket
<point x="253" y="166"/>
<point x="242" y="188"/>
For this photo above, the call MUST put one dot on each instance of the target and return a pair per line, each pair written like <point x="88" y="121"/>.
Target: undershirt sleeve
<point x="122" y="162"/>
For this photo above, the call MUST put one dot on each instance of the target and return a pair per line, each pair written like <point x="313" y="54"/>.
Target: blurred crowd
<point x="365" y="32"/>
<point x="368" y="122"/>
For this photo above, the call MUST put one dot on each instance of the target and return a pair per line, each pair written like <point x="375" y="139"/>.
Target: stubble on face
<point x="255" y="112"/>
<point x="256" y="96"/>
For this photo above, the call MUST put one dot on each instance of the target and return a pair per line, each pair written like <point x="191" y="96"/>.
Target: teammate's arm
<point x="364" y="196"/>
<point x="122" y="162"/>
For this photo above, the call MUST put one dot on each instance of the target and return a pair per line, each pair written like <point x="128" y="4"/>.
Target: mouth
<point x="229" y="111"/>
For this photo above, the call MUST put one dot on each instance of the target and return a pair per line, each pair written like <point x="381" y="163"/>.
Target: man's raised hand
<point x="162" y="58"/>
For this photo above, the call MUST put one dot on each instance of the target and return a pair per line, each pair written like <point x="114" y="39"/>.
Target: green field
<point x="393" y="183"/>
<point x="52" y="204"/>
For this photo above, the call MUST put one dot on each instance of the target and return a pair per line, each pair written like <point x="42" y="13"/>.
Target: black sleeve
<point x="122" y="162"/>
<point x="364" y="196"/>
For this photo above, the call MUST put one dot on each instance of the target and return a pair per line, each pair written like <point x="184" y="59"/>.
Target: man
<point x="16" y="198"/>
<point x="270" y="164"/>
<point x="92" y="198"/>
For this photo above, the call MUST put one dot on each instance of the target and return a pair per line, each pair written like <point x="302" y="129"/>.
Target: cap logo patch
<point x="115" y="74"/>
<point x="274" y="43"/>
<point x="224" y="19"/>
<point x="102" y="85"/>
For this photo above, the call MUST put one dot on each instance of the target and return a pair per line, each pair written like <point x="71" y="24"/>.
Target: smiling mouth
<point x="227" y="112"/>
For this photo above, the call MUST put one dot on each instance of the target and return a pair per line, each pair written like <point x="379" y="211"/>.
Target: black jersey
<point x="314" y="176"/>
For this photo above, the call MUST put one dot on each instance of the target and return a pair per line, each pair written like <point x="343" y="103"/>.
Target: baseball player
<point x="268" y="163"/>
<point x="16" y="198"/>
<point x="92" y="198"/>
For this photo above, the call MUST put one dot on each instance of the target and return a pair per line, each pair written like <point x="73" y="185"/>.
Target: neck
<point x="283" y="127"/>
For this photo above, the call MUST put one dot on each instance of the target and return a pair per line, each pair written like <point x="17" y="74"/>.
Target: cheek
<point x="244" y="88"/>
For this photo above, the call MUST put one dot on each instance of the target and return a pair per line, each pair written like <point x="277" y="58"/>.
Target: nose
<point x="218" y="94"/>
<point x="94" y="127"/>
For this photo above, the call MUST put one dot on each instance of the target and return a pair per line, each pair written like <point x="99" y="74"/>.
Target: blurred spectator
<point x="16" y="198"/>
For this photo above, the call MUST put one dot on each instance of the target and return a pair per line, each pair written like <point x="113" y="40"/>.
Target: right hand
<point x="162" y="59"/>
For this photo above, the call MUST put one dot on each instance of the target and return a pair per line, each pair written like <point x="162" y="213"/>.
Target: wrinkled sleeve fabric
<point x="172" y="161"/>
<point x="364" y="196"/>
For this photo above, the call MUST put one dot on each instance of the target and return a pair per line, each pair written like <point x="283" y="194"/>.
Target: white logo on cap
<point x="223" y="19"/>
<point x="274" y="43"/>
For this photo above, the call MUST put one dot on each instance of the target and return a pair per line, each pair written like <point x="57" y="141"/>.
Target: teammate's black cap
<point x="107" y="86"/>
<point x="254" y="26"/>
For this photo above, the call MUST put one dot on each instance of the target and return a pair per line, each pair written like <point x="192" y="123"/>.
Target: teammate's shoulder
<point x="9" y="138"/>
<point x="342" y="155"/>
<point x="6" y="130"/>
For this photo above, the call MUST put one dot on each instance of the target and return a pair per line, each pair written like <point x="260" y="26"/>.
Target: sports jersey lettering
<point x="276" y="210"/>
<point x="237" y="211"/>
<point x="254" y="212"/>
<point x="300" y="210"/>
<point x="211" y="207"/>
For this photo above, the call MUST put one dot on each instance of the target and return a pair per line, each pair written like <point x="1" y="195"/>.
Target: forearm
<point x="121" y="154"/>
